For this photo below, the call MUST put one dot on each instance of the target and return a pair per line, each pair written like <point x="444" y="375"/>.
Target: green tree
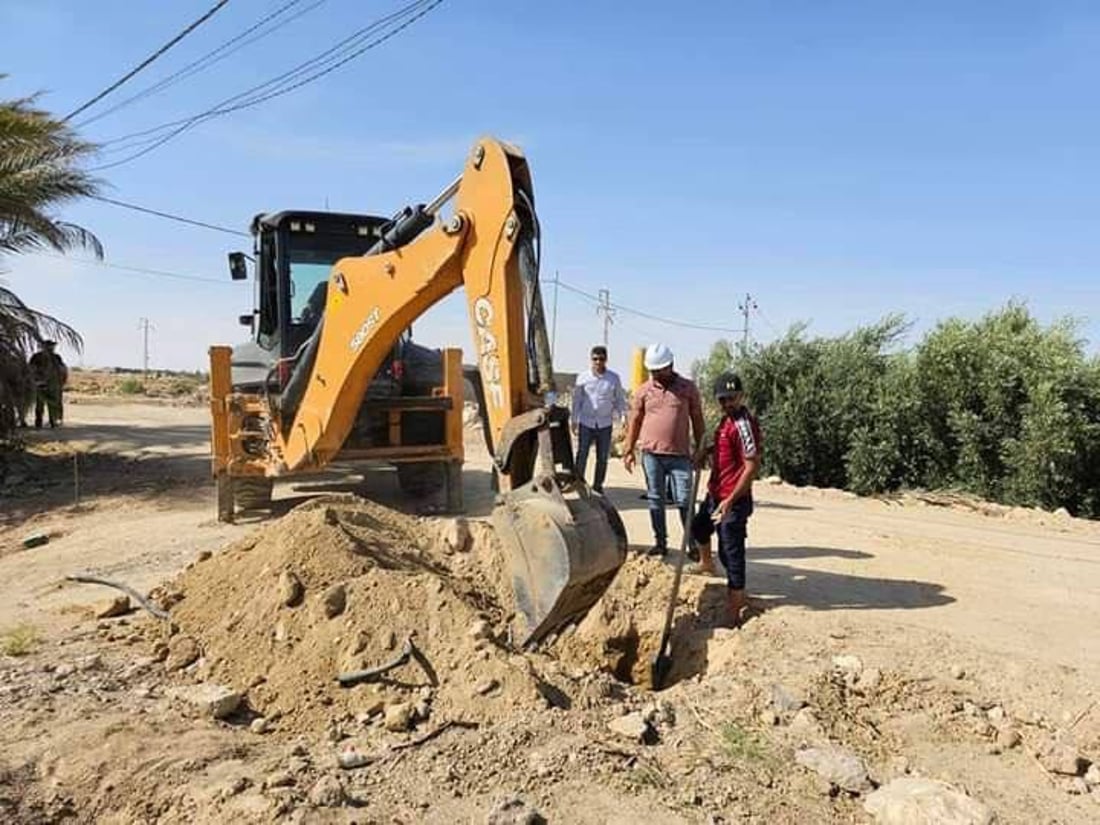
<point x="40" y="159"/>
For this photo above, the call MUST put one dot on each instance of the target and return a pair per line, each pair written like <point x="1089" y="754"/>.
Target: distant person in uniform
<point x="598" y="402"/>
<point x="49" y="375"/>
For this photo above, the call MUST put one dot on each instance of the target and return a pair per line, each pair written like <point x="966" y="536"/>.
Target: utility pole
<point x="554" y="319"/>
<point x="606" y="311"/>
<point x="144" y="326"/>
<point x="746" y="308"/>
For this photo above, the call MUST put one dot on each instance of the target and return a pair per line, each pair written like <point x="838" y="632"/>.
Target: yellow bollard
<point x="638" y="374"/>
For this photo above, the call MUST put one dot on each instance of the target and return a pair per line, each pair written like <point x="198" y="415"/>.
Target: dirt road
<point x="932" y="592"/>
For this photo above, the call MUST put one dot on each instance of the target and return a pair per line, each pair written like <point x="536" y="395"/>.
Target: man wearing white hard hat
<point x="666" y="423"/>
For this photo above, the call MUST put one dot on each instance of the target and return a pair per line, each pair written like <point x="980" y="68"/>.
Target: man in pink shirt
<point x="666" y="422"/>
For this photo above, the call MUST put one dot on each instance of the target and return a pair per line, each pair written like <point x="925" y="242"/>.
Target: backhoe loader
<point x="564" y="544"/>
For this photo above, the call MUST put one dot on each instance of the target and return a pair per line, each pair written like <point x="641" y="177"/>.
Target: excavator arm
<point x="564" y="544"/>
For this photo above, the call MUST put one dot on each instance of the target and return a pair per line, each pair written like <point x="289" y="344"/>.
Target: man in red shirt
<point x="736" y="455"/>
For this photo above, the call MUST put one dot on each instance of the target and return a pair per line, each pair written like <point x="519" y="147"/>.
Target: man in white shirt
<point x="598" y="402"/>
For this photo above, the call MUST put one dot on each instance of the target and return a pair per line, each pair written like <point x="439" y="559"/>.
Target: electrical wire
<point x="283" y="84"/>
<point x="641" y="314"/>
<point x="216" y="55"/>
<point x="161" y="273"/>
<point x="147" y="61"/>
<point x="146" y="210"/>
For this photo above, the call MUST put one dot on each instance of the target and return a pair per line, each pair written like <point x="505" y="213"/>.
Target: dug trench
<point x="231" y="709"/>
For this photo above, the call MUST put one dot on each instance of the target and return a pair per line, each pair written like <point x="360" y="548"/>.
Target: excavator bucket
<point x="563" y="552"/>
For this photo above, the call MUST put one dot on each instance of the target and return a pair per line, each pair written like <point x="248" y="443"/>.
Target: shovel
<point x="662" y="662"/>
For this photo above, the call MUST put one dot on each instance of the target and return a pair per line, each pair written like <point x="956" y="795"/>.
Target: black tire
<point x="422" y="479"/>
<point x="253" y="493"/>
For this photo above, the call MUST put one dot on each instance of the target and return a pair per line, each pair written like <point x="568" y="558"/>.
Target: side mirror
<point x="237" y="268"/>
<point x="246" y="320"/>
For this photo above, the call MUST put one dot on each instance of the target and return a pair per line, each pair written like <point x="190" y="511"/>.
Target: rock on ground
<point x="108" y="609"/>
<point x="327" y="792"/>
<point x="909" y="801"/>
<point x="632" y="726"/>
<point x="398" y="716"/>
<point x="840" y="767"/>
<point x="182" y="651"/>
<point x="455" y="535"/>
<point x="1064" y="759"/>
<point x="514" y="811"/>
<point x="334" y="600"/>
<point x="215" y="701"/>
<point x="290" y="589"/>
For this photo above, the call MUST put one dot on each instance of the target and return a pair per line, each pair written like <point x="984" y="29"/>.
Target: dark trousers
<point x="586" y="436"/>
<point x="50" y="399"/>
<point x="732" y="532"/>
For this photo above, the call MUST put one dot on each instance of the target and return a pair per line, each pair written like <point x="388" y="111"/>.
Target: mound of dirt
<point x="338" y="585"/>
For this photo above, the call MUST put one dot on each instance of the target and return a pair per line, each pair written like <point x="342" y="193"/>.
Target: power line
<point x="186" y="31"/>
<point x="137" y="269"/>
<point x="283" y="84"/>
<point x="146" y="210"/>
<point x="213" y="56"/>
<point x="631" y="311"/>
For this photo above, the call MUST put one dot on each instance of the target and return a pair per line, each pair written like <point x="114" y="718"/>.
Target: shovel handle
<point x="679" y="564"/>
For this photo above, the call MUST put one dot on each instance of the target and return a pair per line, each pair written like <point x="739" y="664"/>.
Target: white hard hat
<point x="657" y="356"/>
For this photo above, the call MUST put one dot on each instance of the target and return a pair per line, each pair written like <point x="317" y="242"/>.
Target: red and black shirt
<point x="736" y="439"/>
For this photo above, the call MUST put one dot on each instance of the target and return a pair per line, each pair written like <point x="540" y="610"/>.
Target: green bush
<point x="1001" y="407"/>
<point x="131" y="386"/>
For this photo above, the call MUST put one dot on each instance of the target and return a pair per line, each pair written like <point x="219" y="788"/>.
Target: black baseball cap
<point x="728" y="383"/>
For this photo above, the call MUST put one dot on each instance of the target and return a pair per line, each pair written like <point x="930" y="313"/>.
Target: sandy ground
<point x="1013" y="601"/>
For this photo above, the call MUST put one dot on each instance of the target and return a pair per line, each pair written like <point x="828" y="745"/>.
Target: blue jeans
<point x="659" y="468"/>
<point x="602" y="438"/>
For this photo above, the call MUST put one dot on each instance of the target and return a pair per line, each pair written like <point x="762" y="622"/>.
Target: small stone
<point x="836" y="765"/>
<point x="514" y="811"/>
<point x="279" y="779"/>
<point x="215" y="701"/>
<point x="109" y="609"/>
<point x="327" y="792"/>
<point x="995" y="714"/>
<point x="421" y="711"/>
<point x="806" y="724"/>
<point x="334" y="600"/>
<point x="784" y="701"/>
<point x="290" y="589"/>
<point x="631" y="726"/>
<point x="1008" y="738"/>
<point x="1092" y="775"/>
<point x="769" y="718"/>
<point x="280" y="632"/>
<point x="486" y="687"/>
<point x="1062" y="512"/>
<point x="1064" y="759"/>
<point x="957" y="671"/>
<point x="64" y="671"/>
<point x="455" y="535"/>
<point x="398" y="717"/>
<point x="182" y="651"/>
<point x="870" y="679"/>
<point x="350" y="758"/>
<point x="91" y="662"/>
<point x="480" y="629"/>
<point x="909" y="801"/>
<point x="259" y="725"/>
<point x="204" y="555"/>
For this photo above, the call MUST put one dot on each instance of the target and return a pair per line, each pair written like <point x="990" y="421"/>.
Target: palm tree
<point x="39" y="171"/>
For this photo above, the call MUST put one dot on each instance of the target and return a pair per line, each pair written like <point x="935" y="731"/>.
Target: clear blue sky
<point x="838" y="160"/>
